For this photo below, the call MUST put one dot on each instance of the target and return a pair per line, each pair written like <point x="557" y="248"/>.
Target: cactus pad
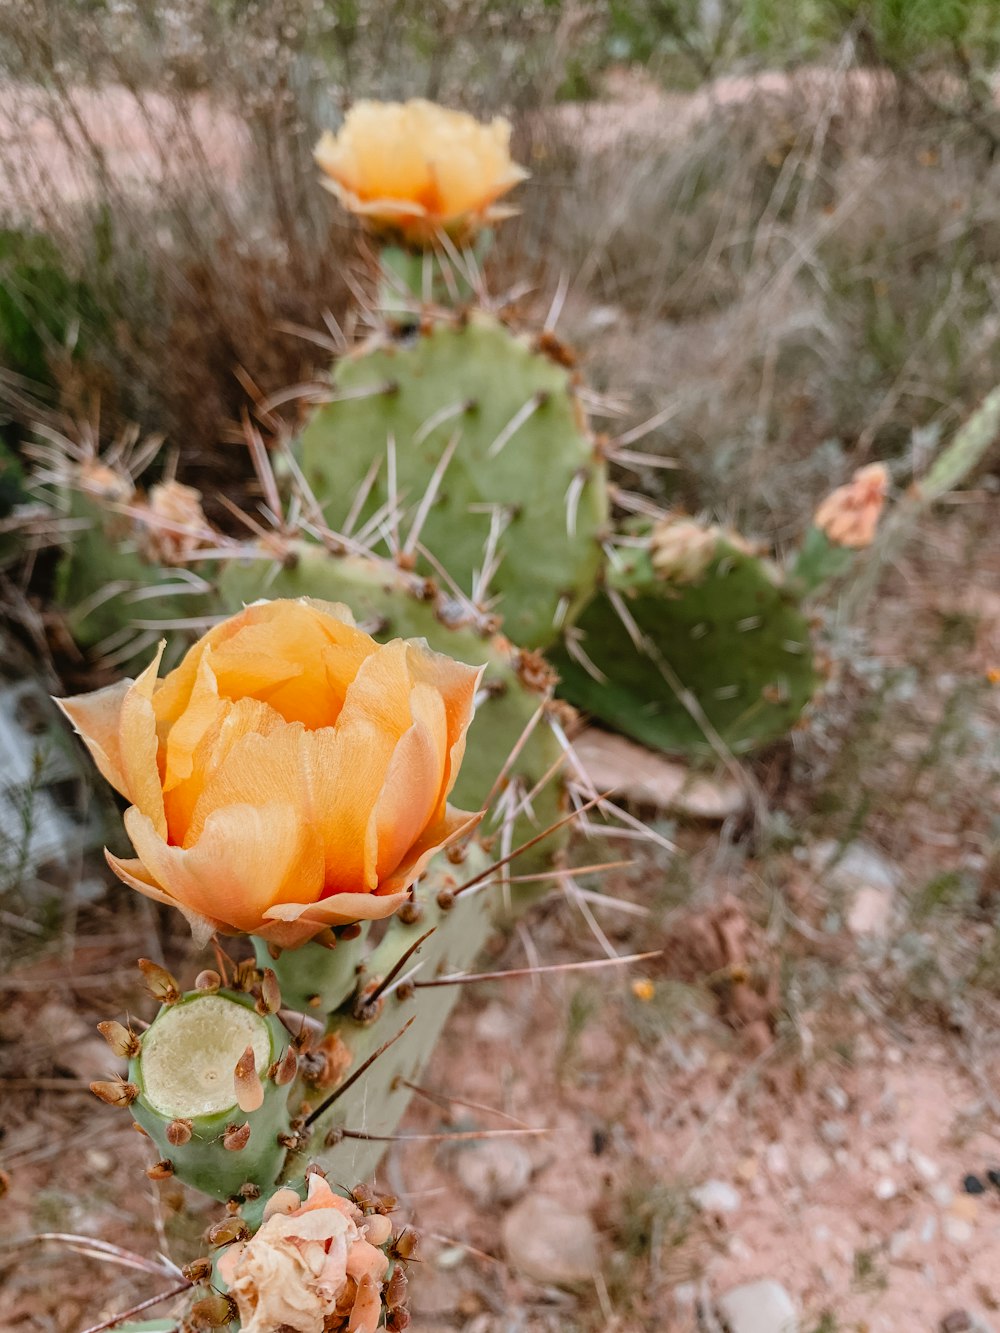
<point x="522" y="461"/>
<point x="717" y="626"/>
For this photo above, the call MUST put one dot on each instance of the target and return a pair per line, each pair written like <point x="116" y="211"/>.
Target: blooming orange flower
<point x="311" y="1267"/>
<point x="850" y="514"/>
<point x="290" y="774"/>
<point x="414" y="167"/>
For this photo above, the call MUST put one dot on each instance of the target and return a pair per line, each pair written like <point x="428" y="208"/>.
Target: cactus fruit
<point x="392" y="603"/>
<point x="696" y="642"/>
<point x="482" y="451"/>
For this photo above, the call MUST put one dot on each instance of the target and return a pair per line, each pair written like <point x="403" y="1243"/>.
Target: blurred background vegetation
<point x="779" y="218"/>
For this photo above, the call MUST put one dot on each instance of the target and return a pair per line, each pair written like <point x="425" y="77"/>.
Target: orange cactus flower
<point x="290" y="774"/>
<point x="414" y="168"/>
<point x="849" y="515"/>
<point x="309" y="1267"/>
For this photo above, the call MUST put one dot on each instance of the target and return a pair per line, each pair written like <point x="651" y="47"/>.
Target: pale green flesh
<point x="190" y="1053"/>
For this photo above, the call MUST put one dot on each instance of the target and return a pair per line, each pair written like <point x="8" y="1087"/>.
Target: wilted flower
<point x="310" y="1269"/>
<point x="413" y="168"/>
<point x="290" y="774"/>
<point x="176" y="524"/>
<point x="681" y="549"/>
<point x="850" y="514"/>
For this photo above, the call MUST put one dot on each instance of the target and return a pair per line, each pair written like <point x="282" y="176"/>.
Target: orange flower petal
<point x="136" y="876"/>
<point x="95" y="719"/>
<point x="246" y="859"/>
<point x="411" y="792"/>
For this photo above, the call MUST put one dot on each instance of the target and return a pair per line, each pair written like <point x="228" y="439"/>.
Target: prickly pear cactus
<point x="694" y="641"/>
<point x="482" y="451"/>
<point x="391" y="603"/>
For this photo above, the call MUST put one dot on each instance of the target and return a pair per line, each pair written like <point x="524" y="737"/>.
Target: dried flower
<point x="681" y="549"/>
<point x="291" y="774"/>
<point x="308" y="1269"/>
<point x="413" y="168"/>
<point x="173" y="524"/>
<point x="850" y="514"/>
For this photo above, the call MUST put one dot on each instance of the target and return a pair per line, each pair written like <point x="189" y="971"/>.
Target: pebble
<point x="550" y="1242"/>
<point x="837" y="1097"/>
<point x="957" y="1229"/>
<point x="993" y="1176"/>
<point x="942" y="1194"/>
<point x="833" y="1132"/>
<point x="814" y="1164"/>
<point x="494" y="1171"/>
<point x="885" y="1189"/>
<point x="496" y="1023"/>
<point x="758" y="1307"/>
<point x="776" y="1159"/>
<point x="961" y="1321"/>
<point x="716" y="1196"/>
<point x="648" y="778"/>
<point x="926" y="1169"/>
<point x="973" y="1185"/>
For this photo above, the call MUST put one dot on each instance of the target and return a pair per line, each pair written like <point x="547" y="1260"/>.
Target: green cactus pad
<point x="184" y="1072"/>
<point x="729" y="632"/>
<point x="376" y="1102"/>
<point x="104" y="584"/>
<point x="523" y="452"/>
<point x="392" y="603"/>
<point x="312" y="978"/>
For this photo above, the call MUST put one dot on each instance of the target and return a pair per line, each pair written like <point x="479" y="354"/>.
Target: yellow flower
<point x="415" y="168"/>
<point x="850" y="515"/>
<point x="290" y="774"/>
<point x="310" y="1268"/>
<point x="643" y="989"/>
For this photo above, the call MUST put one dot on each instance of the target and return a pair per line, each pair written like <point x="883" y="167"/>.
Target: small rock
<point x="758" y="1307"/>
<point x="885" y="1189"/>
<point x="494" y="1171"/>
<point x="716" y="1196"/>
<point x="496" y="1023"/>
<point x="549" y="1242"/>
<point x="926" y="1169"/>
<point x="837" y="1097"/>
<point x="870" y="913"/>
<point x="776" y="1159"/>
<point x="833" y="1132"/>
<point x="961" y="1321"/>
<point x="957" y="1229"/>
<point x="993" y="1176"/>
<point x="929" y="1230"/>
<point x="814" y="1164"/>
<point x="640" y="775"/>
<point x="867" y="878"/>
<point x="942" y="1194"/>
<point x="973" y="1185"/>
